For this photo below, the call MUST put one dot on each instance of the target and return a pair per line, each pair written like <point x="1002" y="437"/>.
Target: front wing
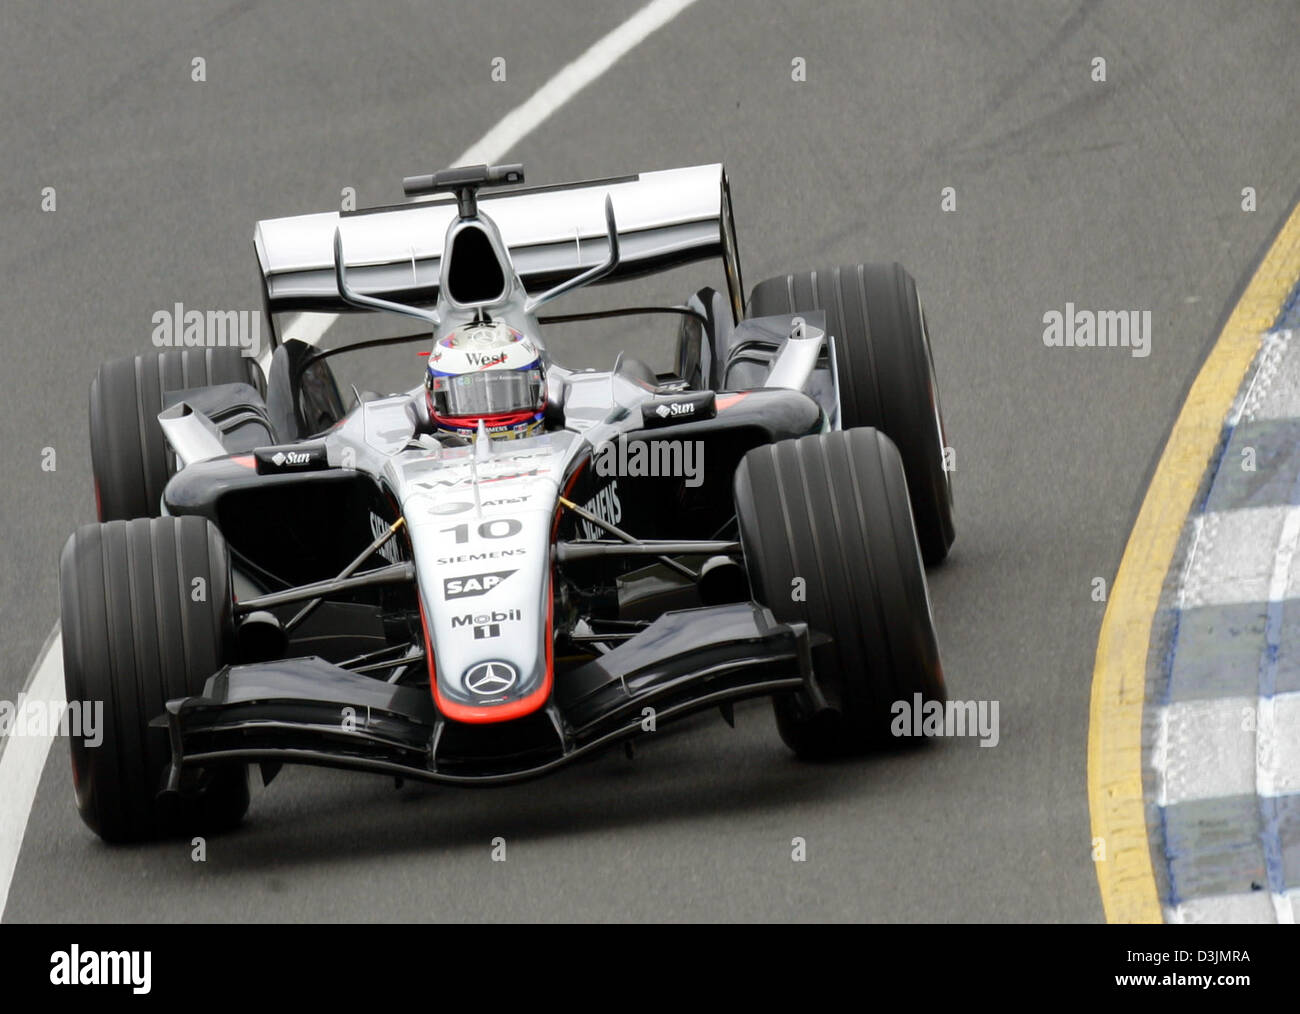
<point x="308" y="711"/>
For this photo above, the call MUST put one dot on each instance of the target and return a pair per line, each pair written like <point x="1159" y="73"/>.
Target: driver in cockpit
<point x="486" y="370"/>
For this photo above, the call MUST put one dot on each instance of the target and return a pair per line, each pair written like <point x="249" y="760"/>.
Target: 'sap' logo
<point x="470" y="585"/>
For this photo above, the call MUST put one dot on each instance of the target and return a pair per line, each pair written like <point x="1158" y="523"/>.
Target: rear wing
<point x="665" y="218"/>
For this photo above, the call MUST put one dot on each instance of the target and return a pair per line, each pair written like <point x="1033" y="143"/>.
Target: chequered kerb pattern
<point x="1221" y="731"/>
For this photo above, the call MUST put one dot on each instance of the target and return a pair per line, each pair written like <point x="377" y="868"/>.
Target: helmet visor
<point x="491" y="392"/>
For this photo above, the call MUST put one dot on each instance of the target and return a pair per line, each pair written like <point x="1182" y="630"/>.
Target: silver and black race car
<point x="514" y="564"/>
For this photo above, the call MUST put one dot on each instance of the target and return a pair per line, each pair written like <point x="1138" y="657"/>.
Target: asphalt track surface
<point x="1117" y="195"/>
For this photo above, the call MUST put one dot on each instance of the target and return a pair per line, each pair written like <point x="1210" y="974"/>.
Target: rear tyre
<point x="129" y="456"/>
<point x="886" y="373"/>
<point x="134" y="637"/>
<point x="828" y="540"/>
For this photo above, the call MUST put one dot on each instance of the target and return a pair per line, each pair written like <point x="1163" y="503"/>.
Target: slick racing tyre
<point x="129" y="456"/>
<point x="886" y="373"/>
<point x="146" y="618"/>
<point x="828" y="540"/>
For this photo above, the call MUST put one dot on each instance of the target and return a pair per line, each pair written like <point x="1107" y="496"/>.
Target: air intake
<point x="474" y="274"/>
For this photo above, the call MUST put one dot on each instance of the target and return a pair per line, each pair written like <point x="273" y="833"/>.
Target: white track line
<point x="23" y="759"/>
<point x="571" y="79"/>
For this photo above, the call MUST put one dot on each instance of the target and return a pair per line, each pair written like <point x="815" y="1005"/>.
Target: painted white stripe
<point x="27" y="764"/>
<point x="1255" y="401"/>
<point x="1277" y="755"/>
<point x="1280" y="757"/>
<point x="1236" y="557"/>
<point x="1277" y="771"/>
<point x="1280" y="580"/>
<point x="1205" y="749"/>
<point x="570" y="80"/>
<point x="22" y="762"/>
<point x="1255" y="907"/>
<point x="1198" y="525"/>
<point x="524" y="119"/>
<point x="1277" y="752"/>
<point x="1275" y="394"/>
<point x="1227" y="746"/>
<point x="1287" y="906"/>
<point x="1266" y="748"/>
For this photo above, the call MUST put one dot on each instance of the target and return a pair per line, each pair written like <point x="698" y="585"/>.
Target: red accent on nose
<point x="495" y="712"/>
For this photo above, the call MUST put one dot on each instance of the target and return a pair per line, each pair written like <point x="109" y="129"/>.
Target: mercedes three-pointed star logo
<point x="490" y="678"/>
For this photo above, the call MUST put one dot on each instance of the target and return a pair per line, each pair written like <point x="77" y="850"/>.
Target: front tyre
<point x="828" y="540"/>
<point x="146" y="615"/>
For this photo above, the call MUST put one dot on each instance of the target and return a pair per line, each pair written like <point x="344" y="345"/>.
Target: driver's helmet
<point x="486" y="370"/>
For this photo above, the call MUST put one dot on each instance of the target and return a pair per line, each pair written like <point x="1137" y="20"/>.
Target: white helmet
<point x="486" y="370"/>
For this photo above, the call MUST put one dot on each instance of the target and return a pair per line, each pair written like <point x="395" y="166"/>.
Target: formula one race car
<point x="514" y="564"/>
